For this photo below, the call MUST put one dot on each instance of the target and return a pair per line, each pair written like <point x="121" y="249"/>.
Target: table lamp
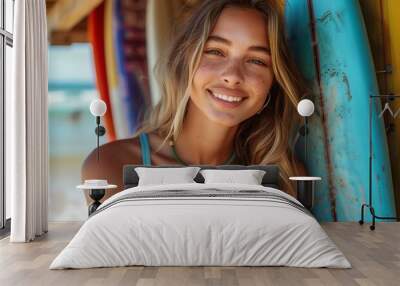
<point x="305" y="185"/>
<point x="98" y="108"/>
<point x="97" y="188"/>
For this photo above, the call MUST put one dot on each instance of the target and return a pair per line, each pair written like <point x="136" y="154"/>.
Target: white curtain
<point x="26" y="123"/>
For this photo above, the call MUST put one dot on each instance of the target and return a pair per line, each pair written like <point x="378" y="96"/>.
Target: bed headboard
<point x="270" y="179"/>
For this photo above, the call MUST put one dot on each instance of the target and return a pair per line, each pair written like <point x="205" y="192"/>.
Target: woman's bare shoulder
<point x="112" y="157"/>
<point x="117" y="149"/>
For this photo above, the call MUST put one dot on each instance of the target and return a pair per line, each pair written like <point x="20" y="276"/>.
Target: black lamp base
<point x="96" y="195"/>
<point x="305" y="193"/>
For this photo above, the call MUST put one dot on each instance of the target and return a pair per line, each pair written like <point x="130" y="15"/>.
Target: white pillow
<point x="249" y="177"/>
<point x="161" y="176"/>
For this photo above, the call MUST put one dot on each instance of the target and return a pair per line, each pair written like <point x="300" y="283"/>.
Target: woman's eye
<point x="214" y="52"/>
<point x="258" y="62"/>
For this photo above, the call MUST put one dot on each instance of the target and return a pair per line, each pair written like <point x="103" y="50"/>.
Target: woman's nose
<point x="232" y="74"/>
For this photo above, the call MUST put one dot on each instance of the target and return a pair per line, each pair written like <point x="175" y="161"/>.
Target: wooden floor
<point x="374" y="255"/>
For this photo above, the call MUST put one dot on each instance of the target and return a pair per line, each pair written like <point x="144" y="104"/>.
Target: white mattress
<point x="189" y="230"/>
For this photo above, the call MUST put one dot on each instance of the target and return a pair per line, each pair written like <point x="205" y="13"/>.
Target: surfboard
<point x="383" y="31"/>
<point x="161" y="16"/>
<point x="391" y="17"/>
<point x="330" y="45"/>
<point x="131" y="59"/>
<point x="120" y="121"/>
<point x="96" y="38"/>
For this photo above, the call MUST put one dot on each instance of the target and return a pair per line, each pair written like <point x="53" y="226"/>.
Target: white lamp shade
<point x="98" y="107"/>
<point x="305" y="107"/>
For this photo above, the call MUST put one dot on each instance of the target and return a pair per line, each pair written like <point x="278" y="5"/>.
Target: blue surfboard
<point x="330" y="45"/>
<point x="131" y="60"/>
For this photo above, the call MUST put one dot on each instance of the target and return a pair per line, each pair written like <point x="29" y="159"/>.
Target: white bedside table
<point x="97" y="190"/>
<point x="305" y="190"/>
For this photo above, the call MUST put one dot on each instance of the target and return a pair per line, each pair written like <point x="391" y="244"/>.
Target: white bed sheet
<point x="200" y="232"/>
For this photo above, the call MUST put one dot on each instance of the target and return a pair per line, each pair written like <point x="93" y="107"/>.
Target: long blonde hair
<point x="264" y="138"/>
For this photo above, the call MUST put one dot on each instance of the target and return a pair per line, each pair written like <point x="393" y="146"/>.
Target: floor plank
<point x="374" y="255"/>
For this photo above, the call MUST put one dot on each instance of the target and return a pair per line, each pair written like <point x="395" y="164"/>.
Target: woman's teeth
<point x="227" y="98"/>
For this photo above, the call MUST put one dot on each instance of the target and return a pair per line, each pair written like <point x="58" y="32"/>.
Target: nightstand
<point x="305" y="190"/>
<point x="97" y="190"/>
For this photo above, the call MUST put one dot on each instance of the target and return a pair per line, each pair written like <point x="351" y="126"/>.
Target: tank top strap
<point x="145" y="149"/>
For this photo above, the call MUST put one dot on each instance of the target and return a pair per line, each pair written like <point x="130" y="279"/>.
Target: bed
<point x="201" y="223"/>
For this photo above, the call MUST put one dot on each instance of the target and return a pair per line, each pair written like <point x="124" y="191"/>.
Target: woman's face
<point x="235" y="72"/>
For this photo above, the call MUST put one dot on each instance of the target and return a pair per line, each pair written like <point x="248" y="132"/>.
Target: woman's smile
<point x="226" y="97"/>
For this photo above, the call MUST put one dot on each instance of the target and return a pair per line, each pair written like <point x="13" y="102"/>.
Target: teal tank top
<point x="145" y="149"/>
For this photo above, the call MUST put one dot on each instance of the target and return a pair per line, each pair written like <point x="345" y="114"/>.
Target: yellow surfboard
<point x="383" y="25"/>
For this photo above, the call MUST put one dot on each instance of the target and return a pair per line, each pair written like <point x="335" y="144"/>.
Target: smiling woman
<point x="230" y="90"/>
